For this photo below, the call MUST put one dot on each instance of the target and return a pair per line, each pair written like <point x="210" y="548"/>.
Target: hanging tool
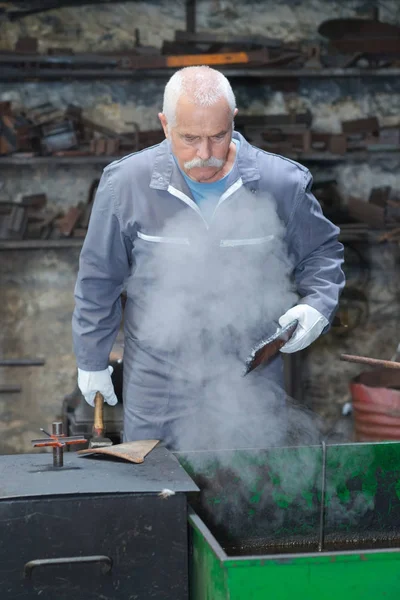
<point x="98" y="440"/>
<point x="267" y="348"/>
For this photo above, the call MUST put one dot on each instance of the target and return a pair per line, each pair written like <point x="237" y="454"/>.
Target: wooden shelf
<point x="316" y="157"/>
<point x="40" y="244"/>
<point x="57" y="74"/>
<point x="15" y="160"/>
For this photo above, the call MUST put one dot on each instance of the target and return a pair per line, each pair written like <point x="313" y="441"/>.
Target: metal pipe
<point x="22" y="362"/>
<point x="191" y="16"/>
<point x="10" y="389"/>
<point x="58" y="453"/>
<point x="322" y="505"/>
<point x="373" y="362"/>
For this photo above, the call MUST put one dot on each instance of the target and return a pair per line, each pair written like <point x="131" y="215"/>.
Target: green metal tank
<point x="312" y="523"/>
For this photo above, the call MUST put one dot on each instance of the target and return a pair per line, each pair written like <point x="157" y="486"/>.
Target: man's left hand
<point x="310" y="326"/>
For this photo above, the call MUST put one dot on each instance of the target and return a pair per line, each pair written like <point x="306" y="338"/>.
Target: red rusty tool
<point x="267" y="348"/>
<point x="58" y="441"/>
<point x="372" y="362"/>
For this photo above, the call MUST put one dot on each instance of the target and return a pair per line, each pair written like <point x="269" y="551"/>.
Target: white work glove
<point x="91" y="382"/>
<point x="311" y="325"/>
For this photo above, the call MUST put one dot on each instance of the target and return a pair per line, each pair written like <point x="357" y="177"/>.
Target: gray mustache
<point x="198" y="162"/>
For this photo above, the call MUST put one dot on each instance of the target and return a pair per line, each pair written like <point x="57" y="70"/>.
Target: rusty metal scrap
<point x="68" y="222"/>
<point x="368" y="213"/>
<point x="369" y="37"/>
<point x="293" y="134"/>
<point x="381" y="210"/>
<point x="13" y="224"/>
<point x="361" y="126"/>
<point x="44" y="113"/>
<point x="27" y="45"/>
<point x="59" y="136"/>
<point x="50" y="131"/>
<point x="8" y="135"/>
<point x="5" y="109"/>
<point x="105" y="147"/>
<point x="293" y="118"/>
<point x="32" y="201"/>
<point x="226" y="39"/>
<point x="293" y="140"/>
<point x="380" y="196"/>
<point x="329" y="142"/>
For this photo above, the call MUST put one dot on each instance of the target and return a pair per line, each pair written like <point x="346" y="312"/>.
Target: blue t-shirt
<point x="207" y="195"/>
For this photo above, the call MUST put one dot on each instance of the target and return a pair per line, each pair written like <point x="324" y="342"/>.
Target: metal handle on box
<point x="106" y="561"/>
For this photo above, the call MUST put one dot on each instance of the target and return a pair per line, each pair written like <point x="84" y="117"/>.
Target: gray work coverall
<point x="201" y="294"/>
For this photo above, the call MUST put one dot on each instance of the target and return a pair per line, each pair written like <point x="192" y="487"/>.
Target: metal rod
<point x="322" y="506"/>
<point x="10" y="389"/>
<point x="191" y="16"/>
<point x="22" y="362"/>
<point x="46" y="432"/>
<point x="58" y="453"/>
<point x="373" y="362"/>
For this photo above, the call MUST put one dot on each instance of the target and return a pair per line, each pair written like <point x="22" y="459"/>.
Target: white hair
<point x="203" y="85"/>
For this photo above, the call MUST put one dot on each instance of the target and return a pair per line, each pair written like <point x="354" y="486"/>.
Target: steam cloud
<point x="211" y="306"/>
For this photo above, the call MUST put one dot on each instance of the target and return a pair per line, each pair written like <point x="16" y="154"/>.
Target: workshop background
<point x="334" y="109"/>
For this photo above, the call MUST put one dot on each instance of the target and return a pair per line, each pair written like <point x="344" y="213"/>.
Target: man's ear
<point x="164" y="123"/>
<point x="235" y="112"/>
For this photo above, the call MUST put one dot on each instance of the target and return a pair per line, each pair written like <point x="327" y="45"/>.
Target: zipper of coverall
<point x="227" y="194"/>
<point x="182" y="196"/>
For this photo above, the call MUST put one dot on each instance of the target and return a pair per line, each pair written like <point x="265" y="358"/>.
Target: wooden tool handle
<point x="98" y="425"/>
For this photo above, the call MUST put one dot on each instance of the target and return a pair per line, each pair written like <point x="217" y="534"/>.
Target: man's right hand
<point x="91" y="382"/>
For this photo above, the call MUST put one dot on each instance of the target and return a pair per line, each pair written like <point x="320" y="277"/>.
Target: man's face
<point x="200" y="138"/>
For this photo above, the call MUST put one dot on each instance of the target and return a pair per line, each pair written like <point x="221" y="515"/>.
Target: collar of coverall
<point x="166" y="171"/>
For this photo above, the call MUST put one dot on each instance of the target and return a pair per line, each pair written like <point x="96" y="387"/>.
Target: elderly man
<point x="215" y="242"/>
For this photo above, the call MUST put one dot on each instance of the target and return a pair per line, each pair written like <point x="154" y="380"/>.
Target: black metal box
<point x="96" y="528"/>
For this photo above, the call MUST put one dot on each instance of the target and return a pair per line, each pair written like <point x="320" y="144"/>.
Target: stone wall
<point x="36" y="288"/>
<point x="36" y="296"/>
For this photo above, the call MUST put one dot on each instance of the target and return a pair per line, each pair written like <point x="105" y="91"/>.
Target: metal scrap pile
<point x="380" y="211"/>
<point x="46" y="130"/>
<point x="364" y="43"/>
<point x="50" y="131"/>
<point x="29" y="218"/>
<point x="292" y="134"/>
